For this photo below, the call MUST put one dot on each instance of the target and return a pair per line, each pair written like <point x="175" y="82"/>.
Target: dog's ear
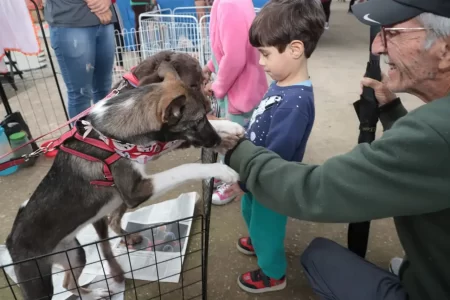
<point x="167" y="72"/>
<point x="171" y="108"/>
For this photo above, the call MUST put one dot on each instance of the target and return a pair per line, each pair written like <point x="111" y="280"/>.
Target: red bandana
<point x="140" y="154"/>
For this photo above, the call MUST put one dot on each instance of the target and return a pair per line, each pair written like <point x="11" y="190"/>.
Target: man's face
<point x="411" y="66"/>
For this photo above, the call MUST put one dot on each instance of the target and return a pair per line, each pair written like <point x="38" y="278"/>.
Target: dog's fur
<point x="65" y="201"/>
<point x="190" y="72"/>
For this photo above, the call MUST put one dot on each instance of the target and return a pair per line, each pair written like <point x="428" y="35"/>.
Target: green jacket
<point x="405" y="174"/>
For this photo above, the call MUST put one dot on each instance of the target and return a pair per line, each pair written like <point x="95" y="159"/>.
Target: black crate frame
<point x="207" y="156"/>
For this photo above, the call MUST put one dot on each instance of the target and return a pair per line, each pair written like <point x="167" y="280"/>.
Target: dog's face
<point x="183" y="111"/>
<point x="169" y="104"/>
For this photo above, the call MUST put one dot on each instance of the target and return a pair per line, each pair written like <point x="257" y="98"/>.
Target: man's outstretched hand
<point x="229" y="132"/>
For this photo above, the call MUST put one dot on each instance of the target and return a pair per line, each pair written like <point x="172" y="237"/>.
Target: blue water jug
<point x="5" y="148"/>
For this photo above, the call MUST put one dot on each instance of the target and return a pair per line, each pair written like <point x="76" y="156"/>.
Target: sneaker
<point x="327" y="26"/>
<point x="257" y="282"/>
<point x="244" y="245"/>
<point x="394" y="266"/>
<point x="217" y="183"/>
<point x="223" y="195"/>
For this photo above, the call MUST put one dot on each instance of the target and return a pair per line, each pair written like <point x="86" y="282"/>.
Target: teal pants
<point x="267" y="231"/>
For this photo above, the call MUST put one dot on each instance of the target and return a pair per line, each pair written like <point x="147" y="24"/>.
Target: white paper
<point x="169" y="251"/>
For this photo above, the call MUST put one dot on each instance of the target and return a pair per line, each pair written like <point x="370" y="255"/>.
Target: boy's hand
<point x="206" y="74"/>
<point x="105" y="18"/>
<point x="382" y="93"/>
<point x="98" y="6"/>
<point x="208" y="89"/>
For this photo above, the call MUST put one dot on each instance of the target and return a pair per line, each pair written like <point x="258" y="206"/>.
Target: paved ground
<point x="336" y="68"/>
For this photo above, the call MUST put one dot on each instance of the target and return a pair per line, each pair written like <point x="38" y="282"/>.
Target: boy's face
<point x="278" y="65"/>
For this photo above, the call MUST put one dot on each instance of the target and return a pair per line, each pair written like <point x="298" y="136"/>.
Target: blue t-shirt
<point x="283" y="120"/>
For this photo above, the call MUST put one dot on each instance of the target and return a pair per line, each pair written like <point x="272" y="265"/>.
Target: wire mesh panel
<point x="170" y="32"/>
<point x="36" y="274"/>
<point x="30" y="85"/>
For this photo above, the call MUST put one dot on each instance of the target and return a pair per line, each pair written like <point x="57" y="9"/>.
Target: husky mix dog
<point x="65" y="201"/>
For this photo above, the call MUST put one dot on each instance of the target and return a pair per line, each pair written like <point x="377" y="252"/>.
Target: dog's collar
<point x="137" y="153"/>
<point x="131" y="78"/>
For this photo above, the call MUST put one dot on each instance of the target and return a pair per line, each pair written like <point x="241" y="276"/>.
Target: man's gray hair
<point x="440" y="27"/>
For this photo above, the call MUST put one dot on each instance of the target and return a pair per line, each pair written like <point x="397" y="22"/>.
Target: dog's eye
<point x="194" y="86"/>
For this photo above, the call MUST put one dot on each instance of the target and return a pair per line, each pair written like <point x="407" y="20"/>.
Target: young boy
<point x="286" y="33"/>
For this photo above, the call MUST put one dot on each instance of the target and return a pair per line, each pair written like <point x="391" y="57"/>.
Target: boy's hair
<point x="282" y="21"/>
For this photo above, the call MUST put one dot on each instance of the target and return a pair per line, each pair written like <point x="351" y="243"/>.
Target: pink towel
<point x="240" y="76"/>
<point x="17" y="31"/>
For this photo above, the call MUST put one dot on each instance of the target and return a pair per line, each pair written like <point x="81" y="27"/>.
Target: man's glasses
<point x="389" y="32"/>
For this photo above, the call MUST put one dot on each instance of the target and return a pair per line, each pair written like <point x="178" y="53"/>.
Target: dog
<point x="189" y="71"/>
<point x="72" y="195"/>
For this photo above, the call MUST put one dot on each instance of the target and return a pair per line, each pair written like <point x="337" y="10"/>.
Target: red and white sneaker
<point x="224" y="194"/>
<point x="244" y="245"/>
<point x="257" y="282"/>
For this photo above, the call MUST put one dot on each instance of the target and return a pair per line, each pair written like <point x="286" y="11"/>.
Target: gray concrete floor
<point x="336" y="68"/>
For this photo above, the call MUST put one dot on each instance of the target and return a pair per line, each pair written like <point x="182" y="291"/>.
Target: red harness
<point x="108" y="180"/>
<point x="73" y="133"/>
<point x="131" y="78"/>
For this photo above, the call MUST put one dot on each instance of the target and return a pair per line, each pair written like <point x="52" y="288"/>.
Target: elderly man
<point x="405" y="174"/>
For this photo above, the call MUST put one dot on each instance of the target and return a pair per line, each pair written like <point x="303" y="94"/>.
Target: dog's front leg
<point x="137" y="187"/>
<point x="167" y="180"/>
<point x="226" y="128"/>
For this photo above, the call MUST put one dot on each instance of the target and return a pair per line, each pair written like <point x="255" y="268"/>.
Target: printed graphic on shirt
<point x="263" y="106"/>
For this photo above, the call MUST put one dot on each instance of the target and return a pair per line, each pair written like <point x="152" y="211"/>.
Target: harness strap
<point x="93" y="142"/>
<point x="131" y="78"/>
<point x="109" y="180"/>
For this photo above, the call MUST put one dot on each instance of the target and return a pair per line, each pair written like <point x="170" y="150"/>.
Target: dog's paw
<point x="96" y="294"/>
<point x="226" y="128"/>
<point x="225" y="173"/>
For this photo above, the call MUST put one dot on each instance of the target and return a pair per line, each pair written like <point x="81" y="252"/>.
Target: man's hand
<point x="382" y="93"/>
<point x="227" y="143"/>
<point x="105" y="18"/>
<point x="229" y="132"/>
<point x="99" y="6"/>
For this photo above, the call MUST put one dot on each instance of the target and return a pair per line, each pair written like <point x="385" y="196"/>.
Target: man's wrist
<point x="227" y="157"/>
<point x="390" y="105"/>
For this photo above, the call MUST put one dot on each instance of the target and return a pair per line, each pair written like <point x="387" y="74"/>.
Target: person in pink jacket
<point x="240" y="82"/>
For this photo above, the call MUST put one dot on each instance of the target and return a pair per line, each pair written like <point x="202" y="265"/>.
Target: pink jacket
<point x="240" y="76"/>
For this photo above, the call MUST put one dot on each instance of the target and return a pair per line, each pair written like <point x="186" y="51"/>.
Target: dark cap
<point x="390" y="12"/>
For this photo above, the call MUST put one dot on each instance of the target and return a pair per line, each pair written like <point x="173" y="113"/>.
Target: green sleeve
<point x="391" y="112"/>
<point x="403" y="173"/>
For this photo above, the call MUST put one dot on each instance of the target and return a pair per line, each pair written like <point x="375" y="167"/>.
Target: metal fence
<point x="183" y="29"/>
